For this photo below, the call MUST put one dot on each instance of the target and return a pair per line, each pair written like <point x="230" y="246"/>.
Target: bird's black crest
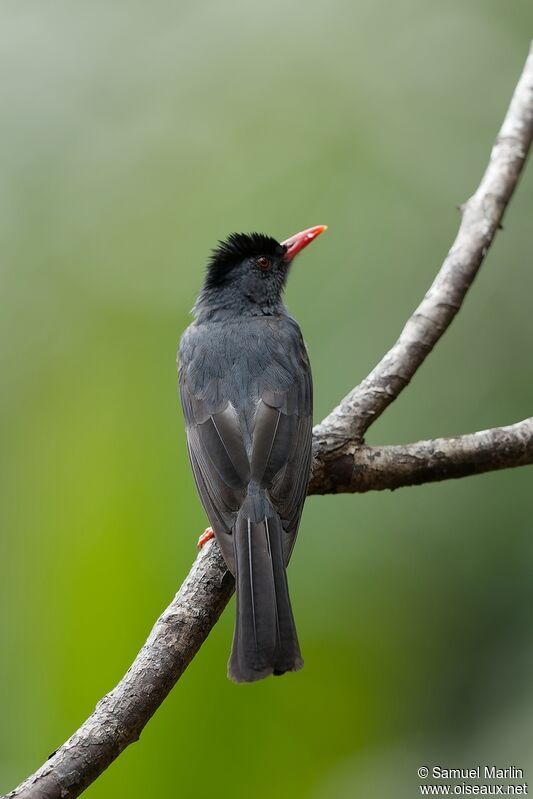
<point x="236" y="248"/>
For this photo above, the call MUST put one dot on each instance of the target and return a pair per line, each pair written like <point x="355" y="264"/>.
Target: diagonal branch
<point x="481" y="218"/>
<point x="358" y="468"/>
<point x="180" y="631"/>
<point x="120" y="716"/>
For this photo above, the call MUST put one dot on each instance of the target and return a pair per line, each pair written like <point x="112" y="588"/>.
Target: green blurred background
<point x="134" y="135"/>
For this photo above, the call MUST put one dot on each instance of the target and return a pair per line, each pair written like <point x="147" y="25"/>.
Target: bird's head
<point x="250" y="270"/>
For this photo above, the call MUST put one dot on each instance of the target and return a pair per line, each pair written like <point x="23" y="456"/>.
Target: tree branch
<point x="358" y="468"/>
<point x="120" y="716"/>
<point x="481" y="218"/>
<point x="180" y="631"/>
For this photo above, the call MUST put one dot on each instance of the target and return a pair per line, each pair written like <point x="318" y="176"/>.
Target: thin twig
<point x="178" y="634"/>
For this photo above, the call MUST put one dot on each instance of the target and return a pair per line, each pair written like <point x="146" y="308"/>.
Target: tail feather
<point x="265" y="640"/>
<point x="287" y="654"/>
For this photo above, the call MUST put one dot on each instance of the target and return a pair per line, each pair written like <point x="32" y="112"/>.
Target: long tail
<point x="265" y="640"/>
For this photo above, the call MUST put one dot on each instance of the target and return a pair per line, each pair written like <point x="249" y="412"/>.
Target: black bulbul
<point x="246" y="390"/>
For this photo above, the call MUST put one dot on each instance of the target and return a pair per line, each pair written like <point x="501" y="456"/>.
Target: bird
<point x="247" y="397"/>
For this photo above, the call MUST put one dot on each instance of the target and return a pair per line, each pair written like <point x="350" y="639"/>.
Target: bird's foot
<point x="206" y="536"/>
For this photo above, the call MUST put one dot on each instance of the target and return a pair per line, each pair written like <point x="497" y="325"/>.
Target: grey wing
<point x="281" y="454"/>
<point x="219" y="463"/>
<point x="214" y="440"/>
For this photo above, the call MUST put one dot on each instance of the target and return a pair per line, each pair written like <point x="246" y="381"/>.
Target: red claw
<point x="206" y="536"/>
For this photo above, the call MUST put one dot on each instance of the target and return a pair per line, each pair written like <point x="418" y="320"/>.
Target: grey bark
<point x="356" y="468"/>
<point x="342" y="463"/>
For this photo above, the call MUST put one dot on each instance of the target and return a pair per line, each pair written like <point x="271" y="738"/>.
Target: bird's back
<point x="240" y="361"/>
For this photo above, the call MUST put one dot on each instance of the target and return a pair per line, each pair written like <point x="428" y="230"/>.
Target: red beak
<point x="301" y="240"/>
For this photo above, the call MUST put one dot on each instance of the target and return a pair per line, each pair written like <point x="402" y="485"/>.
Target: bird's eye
<point x="263" y="262"/>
